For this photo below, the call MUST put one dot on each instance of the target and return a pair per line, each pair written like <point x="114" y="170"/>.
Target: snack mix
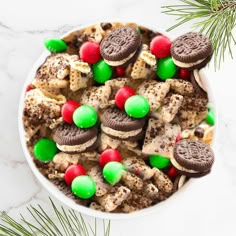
<point x="118" y="117"/>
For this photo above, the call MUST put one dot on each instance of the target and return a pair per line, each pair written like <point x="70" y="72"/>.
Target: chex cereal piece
<point x="39" y="109"/>
<point x="96" y="96"/>
<point x="151" y="191"/>
<point x="77" y="81"/>
<point x="30" y="129"/>
<point x="132" y="181"/>
<point x="107" y="142"/>
<point x="81" y="66"/>
<point x="148" y="57"/>
<point x="154" y="92"/>
<point x="181" y="86"/>
<point x="160" y="138"/>
<point x="53" y="73"/>
<point x="101" y="187"/>
<point x="63" y="160"/>
<point x="137" y="166"/>
<point x="139" y="70"/>
<point x="162" y="182"/>
<point x="170" y="109"/>
<point x="126" y="208"/>
<point x="96" y="206"/>
<point x="192" y="111"/>
<point x="111" y="201"/>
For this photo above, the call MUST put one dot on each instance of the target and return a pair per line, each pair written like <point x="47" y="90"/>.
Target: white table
<point x="208" y="209"/>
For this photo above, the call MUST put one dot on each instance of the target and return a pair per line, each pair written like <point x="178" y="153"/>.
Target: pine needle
<point x="214" y="18"/>
<point x="67" y="223"/>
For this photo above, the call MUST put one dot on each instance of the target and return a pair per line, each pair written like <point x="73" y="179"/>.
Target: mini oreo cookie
<point x="67" y="134"/>
<point x="191" y="50"/>
<point x="120" y="45"/>
<point x="117" y="119"/>
<point x="192" y="157"/>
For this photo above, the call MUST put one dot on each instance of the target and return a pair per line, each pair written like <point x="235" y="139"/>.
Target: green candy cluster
<point x="55" y="45"/>
<point x="101" y="72"/>
<point x="45" y="149"/>
<point x="112" y="172"/>
<point x="210" y="118"/>
<point x="165" y="68"/>
<point x="159" y="161"/>
<point x="83" y="187"/>
<point x="137" y="106"/>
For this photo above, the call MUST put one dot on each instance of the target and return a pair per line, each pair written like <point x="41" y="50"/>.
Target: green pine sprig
<point x="66" y="223"/>
<point x="214" y="18"/>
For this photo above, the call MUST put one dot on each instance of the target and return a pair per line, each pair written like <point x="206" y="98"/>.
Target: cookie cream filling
<point x="187" y="65"/>
<point x="199" y="80"/>
<point x="181" y="168"/>
<point x="77" y="148"/>
<point x="121" y="62"/>
<point x="120" y="134"/>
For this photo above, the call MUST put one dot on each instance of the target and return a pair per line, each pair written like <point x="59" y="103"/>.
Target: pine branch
<point x="68" y="223"/>
<point x="214" y="18"/>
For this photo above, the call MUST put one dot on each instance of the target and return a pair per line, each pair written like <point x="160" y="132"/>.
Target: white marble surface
<point x="210" y="207"/>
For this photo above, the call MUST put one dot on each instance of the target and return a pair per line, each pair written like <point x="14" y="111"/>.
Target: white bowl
<point x="52" y="189"/>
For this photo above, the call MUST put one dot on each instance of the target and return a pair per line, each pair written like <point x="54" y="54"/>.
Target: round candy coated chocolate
<point x="55" y="45"/>
<point x="68" y="109"/>
<point x="72" y="172"/>
<point x="101" y="72"/>
<point x="184" y="74"/>
<point x="83" y="187"/>
<point x="165" y="68"/>
<point x="172" y="172"/>
<point x="122" y="95"/>
<point x="159" y="161"/>
<point x="160" y="46"/>
<point x="109" y="155"/>
<point x="112" y="172"/>
<point x="120" y="71"/>
<point x="210" y="118"/>
<point x="45" y="149"/>
<point x="28" y="88"/>
<point x="137" y="106"/>
<point x="90" y="52"/>
<point x="85" y="116"/>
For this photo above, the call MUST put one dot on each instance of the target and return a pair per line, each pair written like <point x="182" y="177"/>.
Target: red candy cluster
<point x="68" y="109"/>
<point x="109" y="155"/>
<point x="122" y="95"/>
<point x="90" y="52"/>
<point x="72" y="172"/>
<point x="160" y="46"/>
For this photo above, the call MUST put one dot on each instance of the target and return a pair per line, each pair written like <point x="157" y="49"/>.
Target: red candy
<point x="90" y="52"/>
<point x="120" y="71"/>
<point x="28" y="88"/>
<point x="108" y="156"/>
<point x="72" y="172"/>
<point x="68" y="109"/>
<point x="172" y="173"/>
<point x="178" y="138"/>
<point x="122" y="95"/>
<point x="160" y="46"/>
<point x="184" y="74"/>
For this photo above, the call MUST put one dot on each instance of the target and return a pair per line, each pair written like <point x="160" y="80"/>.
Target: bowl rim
<point x="59" y="195"/>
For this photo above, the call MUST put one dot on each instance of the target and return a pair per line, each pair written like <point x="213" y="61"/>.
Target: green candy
<point x="83" y="187"/>
<point x="159" y="161"/>
<point x="55" y="45"/>
<point x="85" y="117"/>
<point x="210" y="118"/>
<point x="165" y="68"/>
<point x="112" y="172"/>
<point x="137" y="106"/>
<point x="101" y="72"/>
<point x="45" y="149"/>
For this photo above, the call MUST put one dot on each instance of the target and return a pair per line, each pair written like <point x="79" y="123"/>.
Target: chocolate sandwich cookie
<point x="192" y="158"/>
<point x="192" y="50"/>
<point x="71" y="139"/>
<point x="120" y="45"/>
<point x="198" y="85"/>
<point x="117" y="124"/>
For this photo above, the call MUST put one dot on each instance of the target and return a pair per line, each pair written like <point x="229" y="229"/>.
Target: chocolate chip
<point x="199" y="132"/>
<point x="106" y="25"/>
